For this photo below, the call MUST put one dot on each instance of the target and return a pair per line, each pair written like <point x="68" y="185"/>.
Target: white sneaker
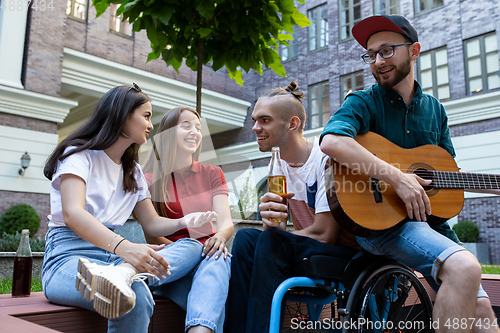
<point x="108" y="286"/>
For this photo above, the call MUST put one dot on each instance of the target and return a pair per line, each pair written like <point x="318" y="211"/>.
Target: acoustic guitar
<point x="363" y="205"/>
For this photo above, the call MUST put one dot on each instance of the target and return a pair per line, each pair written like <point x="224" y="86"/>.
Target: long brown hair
<point x="162" y="157"/>
<point x="102" y="130"/>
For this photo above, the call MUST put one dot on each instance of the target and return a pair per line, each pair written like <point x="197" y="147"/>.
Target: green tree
<point x="467" y="231"/>
<point x="19" y="217"/>
<point x="232" y="33"/>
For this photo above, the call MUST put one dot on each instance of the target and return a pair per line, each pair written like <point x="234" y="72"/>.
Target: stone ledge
<point x="7" y="264"/>
<point x="13" y="254"/>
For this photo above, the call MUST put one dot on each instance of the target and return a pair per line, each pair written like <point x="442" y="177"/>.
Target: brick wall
<point x="51" y="31"/>
<point x="40" y="202"/>
<point x="447" y="26"/>
<point x="45" y="50"/>
<point x="484" y="212"/>
<point x="12" y="120"/>
<point x="475" y="128"/>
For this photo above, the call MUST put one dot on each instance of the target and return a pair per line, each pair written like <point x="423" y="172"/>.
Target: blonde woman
<point x="181" y="185"/>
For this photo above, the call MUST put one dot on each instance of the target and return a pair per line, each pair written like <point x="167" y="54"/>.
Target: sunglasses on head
<point x="135" y="87"/>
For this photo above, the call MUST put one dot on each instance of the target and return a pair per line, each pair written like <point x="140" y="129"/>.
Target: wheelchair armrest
<point x="364" y="261"/>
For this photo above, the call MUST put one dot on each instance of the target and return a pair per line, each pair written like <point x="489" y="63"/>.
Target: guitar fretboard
<point x="462" y="180"/>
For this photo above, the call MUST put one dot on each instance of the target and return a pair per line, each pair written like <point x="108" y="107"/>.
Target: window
<point x="77" y="9"/>
<point x="481" y="64"/>
<point x="350" y="14"/>
<point x="291" y="51"/>
<point x="387" y="7"/>
<point x="422" y="6"/>
<point x="433" y="73"/>
<point x="351" y="82"/>
<point x="117" y="24"/>
<point x="318" y="30"/>
<point x="319" y="105"/>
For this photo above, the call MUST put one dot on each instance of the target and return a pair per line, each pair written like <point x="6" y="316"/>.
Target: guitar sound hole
<point x="425" y="174"/>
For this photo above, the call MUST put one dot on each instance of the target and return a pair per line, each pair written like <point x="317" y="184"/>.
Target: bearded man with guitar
<point x="398" y="110"/>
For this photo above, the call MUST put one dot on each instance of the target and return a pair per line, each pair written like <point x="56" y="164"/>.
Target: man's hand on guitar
<point x="410" y="189"/>
<point x="272" y="206"/>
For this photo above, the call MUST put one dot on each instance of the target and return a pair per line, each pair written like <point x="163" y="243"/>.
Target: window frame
<point x="352" y="22"/>
<point x="387" y="9"/>
<point x="434" y="68"/>
<point x="113" y="8"/>
<point x="292" y="45"/>
<point x="320" y="98"/>
<point x="433" y="7"/>
<point x="317" y="24"/>
<point x="352" y="76"/>
<point x="71" y="15"/>
<point x="482" y="56"/>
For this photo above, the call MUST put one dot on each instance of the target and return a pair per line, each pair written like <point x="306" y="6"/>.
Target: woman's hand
<point x="144" y="258"/>
<point x="194" y="220"/>
<point x="215" y="244"/>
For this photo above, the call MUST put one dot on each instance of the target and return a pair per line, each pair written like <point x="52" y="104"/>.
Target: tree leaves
<point x="163" y="14"/>
<point x="204" y="32"/>
<point x="237" y="33"/>
<point x="300" y="19"/>
<point x="233" y="34"/>
<point x="100" y="6"/>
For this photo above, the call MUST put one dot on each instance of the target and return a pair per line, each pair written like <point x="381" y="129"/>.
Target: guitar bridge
<point x="377" y="194"/>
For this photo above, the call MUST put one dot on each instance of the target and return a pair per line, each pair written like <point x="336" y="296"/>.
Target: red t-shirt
<point x="192" y="192"/>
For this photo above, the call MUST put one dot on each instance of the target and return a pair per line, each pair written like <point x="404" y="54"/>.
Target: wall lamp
<point x="25" y="163"/>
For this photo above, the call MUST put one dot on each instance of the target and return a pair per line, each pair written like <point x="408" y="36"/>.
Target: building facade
<point x="57" y="62"/>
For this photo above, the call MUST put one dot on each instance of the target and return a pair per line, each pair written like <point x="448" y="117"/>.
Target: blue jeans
<point x="202" y="293"/>
<point x="63" y="248"/>
<point x="416" y="245"/>
<point x="261" y="261"/>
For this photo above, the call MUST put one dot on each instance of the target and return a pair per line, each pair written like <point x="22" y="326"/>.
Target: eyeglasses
<point x="135" y="87"/>
<point x="386" y="52"/>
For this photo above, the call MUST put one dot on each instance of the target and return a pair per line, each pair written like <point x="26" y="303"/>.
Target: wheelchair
<point x="368" y="293"/>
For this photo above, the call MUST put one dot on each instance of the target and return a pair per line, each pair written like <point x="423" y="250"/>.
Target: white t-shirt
<point x="105" y="198"/>
<point x="308" y="184"/>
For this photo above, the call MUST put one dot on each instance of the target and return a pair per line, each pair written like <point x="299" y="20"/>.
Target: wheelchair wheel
<point x="296" y="312"/>
<point x="392" y="300"/>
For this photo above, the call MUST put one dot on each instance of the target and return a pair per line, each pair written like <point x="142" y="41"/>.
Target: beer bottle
<point x="276" y="182"/>
<point x="23" y="262"/>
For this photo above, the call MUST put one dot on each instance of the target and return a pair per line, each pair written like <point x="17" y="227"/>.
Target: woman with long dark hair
<point x="180" y="185"/>
<point x="96" y="183"/>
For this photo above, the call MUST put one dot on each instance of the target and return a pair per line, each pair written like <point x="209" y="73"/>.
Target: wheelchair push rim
<point x="391" y="300"/>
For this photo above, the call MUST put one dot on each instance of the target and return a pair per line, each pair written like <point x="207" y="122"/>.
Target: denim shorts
<point x="416" y="245"/>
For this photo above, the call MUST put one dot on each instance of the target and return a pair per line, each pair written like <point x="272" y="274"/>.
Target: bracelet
<point x="111" y="241"/>
<point x="121" y="240"/>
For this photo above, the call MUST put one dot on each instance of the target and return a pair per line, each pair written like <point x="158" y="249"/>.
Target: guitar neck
<point x="464" y="180"/>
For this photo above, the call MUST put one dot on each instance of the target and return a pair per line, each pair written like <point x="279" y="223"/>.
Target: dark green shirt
<point x="384" y="112"/>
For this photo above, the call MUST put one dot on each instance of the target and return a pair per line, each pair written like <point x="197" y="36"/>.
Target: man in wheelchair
<point x="263" y="259"/>
<point x="398" y="110"/>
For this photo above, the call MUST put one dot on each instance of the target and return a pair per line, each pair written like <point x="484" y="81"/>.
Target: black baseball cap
<point x="397" y="23"/>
